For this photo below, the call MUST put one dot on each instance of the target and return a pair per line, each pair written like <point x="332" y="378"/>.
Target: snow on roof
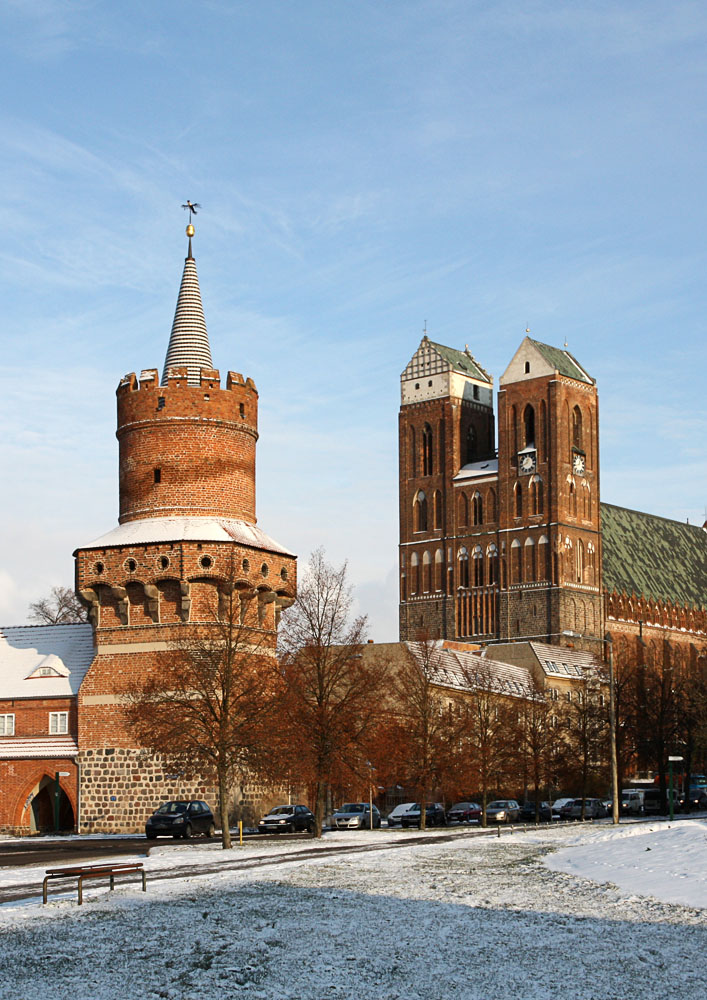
<point x="561" y="661"/>
<point x="66" y="651"/>
<point x="155" y="530"/>
<point x="464" y="670"/>
<point x="477" y="470"/>
<point x="48" y="746"/>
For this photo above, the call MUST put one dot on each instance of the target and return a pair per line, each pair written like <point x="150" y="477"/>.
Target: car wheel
<point x="187" y="831"/>
<point x="210" y="831"/>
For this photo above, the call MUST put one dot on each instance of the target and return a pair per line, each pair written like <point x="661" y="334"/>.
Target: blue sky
<point x="363" y="167"/>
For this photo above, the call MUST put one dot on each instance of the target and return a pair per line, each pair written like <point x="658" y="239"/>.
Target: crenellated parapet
<point x="644" y="612"/>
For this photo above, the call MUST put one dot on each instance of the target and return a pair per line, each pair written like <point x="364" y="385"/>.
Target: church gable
<point x="653" y="557"/>
<point x="536" y="360"/>
<point x="433" y="359"/>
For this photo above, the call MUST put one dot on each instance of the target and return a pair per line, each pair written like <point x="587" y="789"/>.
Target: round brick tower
<point x="186" y="554"/>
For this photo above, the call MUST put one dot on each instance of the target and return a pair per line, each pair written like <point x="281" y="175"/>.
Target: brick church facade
<point x="515" y="543"/>
<point x="186" y="540"/>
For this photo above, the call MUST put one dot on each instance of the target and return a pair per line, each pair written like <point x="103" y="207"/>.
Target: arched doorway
<point x="40" y="807"/>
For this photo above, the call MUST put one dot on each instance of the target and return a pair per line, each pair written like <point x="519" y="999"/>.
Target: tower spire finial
<point x="191" y="207"/>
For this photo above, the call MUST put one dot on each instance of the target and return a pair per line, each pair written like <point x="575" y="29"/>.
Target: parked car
<point x="502" y="811"/>
<point x="558" y="805"/>
<point x="464" y="812"/>
<point x="631" y="803"/>
<point x="181" y="818"/>
<point x="527" y="812"/>
<point x="355" y="816"/>
<point x="395" y="815"/>
<point x="593" y="809"/>
<point x="287" y="819"/>
<point x="652" y="802"/>
<point x="434" y="815"/>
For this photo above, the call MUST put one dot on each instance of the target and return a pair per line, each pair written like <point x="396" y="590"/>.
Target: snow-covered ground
<point x="592" y="912"/>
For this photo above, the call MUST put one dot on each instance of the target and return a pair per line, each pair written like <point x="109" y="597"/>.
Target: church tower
<point x="549" y="517"/>
<point x="446" y="424"/>
<point x="186" y="540"/>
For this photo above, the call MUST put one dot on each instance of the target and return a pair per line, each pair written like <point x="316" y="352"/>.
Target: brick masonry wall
<point x="201" y="439"/>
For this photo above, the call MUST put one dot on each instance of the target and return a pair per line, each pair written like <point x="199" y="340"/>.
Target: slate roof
<point x="25" y="650"/>
<point x="654" y="557"/>
<point x="461" y="361"/>
<point x="563" y="362"/>
<point x="561" y="661"/>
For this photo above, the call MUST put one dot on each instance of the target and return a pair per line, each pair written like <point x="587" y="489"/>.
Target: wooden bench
<point x="82" y="872"/>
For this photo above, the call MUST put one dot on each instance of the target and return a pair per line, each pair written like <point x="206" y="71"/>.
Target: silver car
<point x="593" y="809"/>
<point x="502" y="811"/>
<point x="355" y="816"/>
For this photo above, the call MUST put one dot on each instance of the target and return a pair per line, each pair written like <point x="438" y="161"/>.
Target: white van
<point x="632" y="802"/>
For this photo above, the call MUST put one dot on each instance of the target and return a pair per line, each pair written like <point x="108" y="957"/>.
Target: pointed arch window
<point x="516" y="561"/>
<point x="536" y="495"/>
<point x="415" y="574"/>
<point x="577" y="428"/>
<point x="463" y="509"/>
<point x="478" y="558"/>
<point x="579" y="561"/>
<point x="529" y="426"/>
<point x="427" y="451"/>
<point x="492" y="561"/>
<point x="492" y="511"/>
<point x="426" y="573"/>
<point x="437" y="509"/>
<point x="573" y="498"/>
<point x="530" y="563"/>
<point x="518" y="500"/>
<point x="439" y="569"/>
<point x="514" y="432"/>
<point x="477" y="509"/>
<point x="413" y="453"/>
<point x="463" y="559"/>
<point x="420" y="511"/>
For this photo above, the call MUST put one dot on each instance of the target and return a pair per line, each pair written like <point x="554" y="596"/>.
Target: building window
<point x="439" y="570"/>
<point x="477" y="509"/>
<point x="516" y="561"/>
<point x="420" y="512"/>
<point x="478" y="567"/>
<point x="536" y="494"/>
<point x="413" y="453"/>
<point x="463" y="567"/>
<point x="518" y="500"/>
<point x="530" y="566"/>
<point x="529" y="426"/>
<point x="426" y="572"/>
<point x="577" y="428"/>
<point x="58" y="723"/>
<point x="158" y="475"/>
<point x="437" y="509"/>
<point x="415" y="574"/>
<point x="492" y="556"/>
<point x="7" y="725"/>
<point x="427" y="451"/>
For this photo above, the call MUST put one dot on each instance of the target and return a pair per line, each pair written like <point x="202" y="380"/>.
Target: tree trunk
<point x="223" y="791"/>
<point x="319" y="807"/>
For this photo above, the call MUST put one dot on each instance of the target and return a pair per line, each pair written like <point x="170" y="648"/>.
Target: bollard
<point x="240" y="831"/>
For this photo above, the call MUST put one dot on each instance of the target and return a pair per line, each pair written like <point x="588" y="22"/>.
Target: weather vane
<point x="191" y="207"/>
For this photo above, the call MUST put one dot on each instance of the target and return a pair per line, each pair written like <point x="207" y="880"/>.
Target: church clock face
<point x="578" y="465"/>
<point x="526" y="463"/>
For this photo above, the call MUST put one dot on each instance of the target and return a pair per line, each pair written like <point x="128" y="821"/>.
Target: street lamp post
<point x="612" y="735"/>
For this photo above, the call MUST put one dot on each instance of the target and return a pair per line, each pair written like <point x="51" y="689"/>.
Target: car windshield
<point x="172" y="807"/>
<point x="463" y="805"/>
<point x="281" y="811"/>
<point x="497" y="805"/>
<point x="352" y="807"/>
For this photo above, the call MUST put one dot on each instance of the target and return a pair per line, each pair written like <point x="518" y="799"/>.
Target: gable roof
<point x="67" y="649"/>
<point x="563" y="362"/>
<point x="653" y="557"/>
<point x="461" y="669"/>
<point x="458" y="361"/>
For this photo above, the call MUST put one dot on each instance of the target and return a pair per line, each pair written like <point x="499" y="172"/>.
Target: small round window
<point x="265" y="569"/>
<point x="206" y="562"/>
<point x="130" y="565"/>
<point x="163" y="562"/>
<point x="246" y="565"/>
<point x="98" y="568"/>
<point x="283" y="572"/>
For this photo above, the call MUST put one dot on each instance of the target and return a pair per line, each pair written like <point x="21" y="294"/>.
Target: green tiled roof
<point x="563" y="362"/>
<point x="649" y="555"/>
<point x="462" y="362"/>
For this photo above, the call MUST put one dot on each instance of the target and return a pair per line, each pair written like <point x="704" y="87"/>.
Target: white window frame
<point x="7" y="722"/>
<point x="58" y="723"/>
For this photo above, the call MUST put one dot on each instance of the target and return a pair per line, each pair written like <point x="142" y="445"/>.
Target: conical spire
<point x="189" y="341"/>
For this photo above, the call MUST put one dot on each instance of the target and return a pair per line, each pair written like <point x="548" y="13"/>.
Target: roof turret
<point x="189" y="341"/>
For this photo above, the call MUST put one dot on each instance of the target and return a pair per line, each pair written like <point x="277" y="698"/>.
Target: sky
<point x="365" y="169"/>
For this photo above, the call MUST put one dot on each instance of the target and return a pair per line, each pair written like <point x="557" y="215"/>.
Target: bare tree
<point x="423" y="734"/>
<point x="209" y="708"/>
<point x="535" y="738"/>
<point x="332" y="697"/>
<point x="61" y="607"/>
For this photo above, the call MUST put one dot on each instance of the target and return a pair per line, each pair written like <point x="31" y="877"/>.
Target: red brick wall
<point x="19" y="779"/>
